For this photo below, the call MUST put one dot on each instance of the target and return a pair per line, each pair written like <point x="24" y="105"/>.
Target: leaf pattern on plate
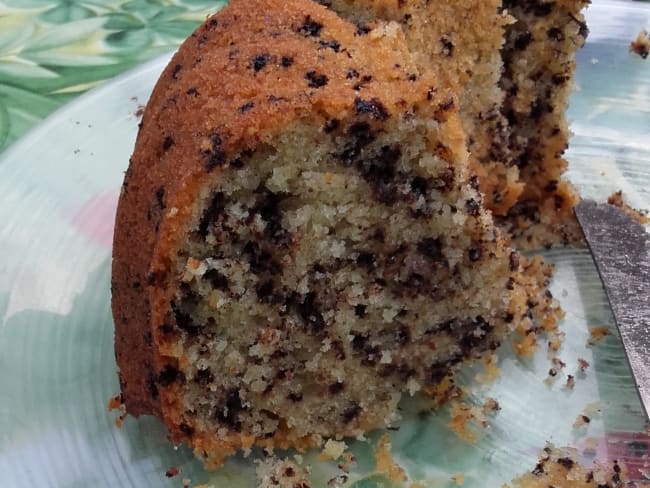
<point x="52" y="51"/>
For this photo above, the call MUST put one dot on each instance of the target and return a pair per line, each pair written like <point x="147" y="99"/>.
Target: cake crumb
<point x="597" y="333"/>
<point x="491" y="405"/>
<point x="559" y="467"/>
<point x="583" y="364"/>
<point x="570" y="382"/>
<point x="492" y="371"/>
<point x="117" y="403"/>
<point x="581" y="420"/>
<point x="527" y="345"/>
<point x="186" y="482"/>
<point x="386" y="465"/>
<point x="172" y="471"/>
<point x="641" y="45"/>
<point x="273" y="472"/>
<point x="616" y="199"/>
<point x="465" y="418"/>
<point x="348" y="463"/>
<point x="459" y="479"/>
<point x="333" y="450"/>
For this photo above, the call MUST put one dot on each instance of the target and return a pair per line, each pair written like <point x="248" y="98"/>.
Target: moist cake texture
<point x="512" y="64"/>
<point x="299" y="239"/>
<point x="539" y="63"/>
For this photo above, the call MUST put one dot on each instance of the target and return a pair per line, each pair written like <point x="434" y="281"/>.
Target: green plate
<point x="58" y="189"/>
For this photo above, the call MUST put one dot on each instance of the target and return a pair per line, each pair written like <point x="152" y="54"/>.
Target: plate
<point x="59" y="187"/>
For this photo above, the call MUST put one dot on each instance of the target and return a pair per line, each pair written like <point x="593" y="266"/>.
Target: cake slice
<point x="512" y="66"/>
<point x="299" y="239"/>
<point x="461" y="43"/>
<point x="539" y="60"/>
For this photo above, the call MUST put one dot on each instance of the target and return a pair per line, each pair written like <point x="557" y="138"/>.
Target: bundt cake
<point x="511" y="63"/>
<point x="299" y="239"/>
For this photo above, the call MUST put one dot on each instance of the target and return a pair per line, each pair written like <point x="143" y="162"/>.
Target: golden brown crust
<point x="212" y="125"/>
<point x="460" y="43"/>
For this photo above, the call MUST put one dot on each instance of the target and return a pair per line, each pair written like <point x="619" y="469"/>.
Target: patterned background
<point x="51" y="51"/>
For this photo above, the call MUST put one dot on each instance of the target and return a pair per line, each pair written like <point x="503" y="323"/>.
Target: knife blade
<point x="620" y="247"/>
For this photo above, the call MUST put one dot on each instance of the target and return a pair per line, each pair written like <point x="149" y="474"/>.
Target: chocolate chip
<point x="169" y="375"/>
<point x="246" y="107"/>
<point x="216" y="279"/>
<point x="402" y="335"/>
<point x="286" y="61"/>
<point x="568" y="463"/>
<point x="212" y="213"/>
<point x="351" y="412"/>
<point x="474" y="254"/>
<point x="203" y="377"/>
<point x="186" y="429"/>
<point x="431" y="248"/>
<point x="309" y="312"/>
<point x="331" y="125"/>
<point x="315" y="79"/>
<point x="335" y="388"/>
<point x="523" y="41"/>
<point x="541" y="9"/>
<point x="259" y="62"/>
<point x="333" y="45"/>
<point x="310" y="27"/>
<point x="295" y="396"/>
<point x="373" y="107"/>
<point x="167" y="143"/>
<point x="183" y="320"/>
<point x="352" y="73"/>
<point x="538" y="470"/>
<point x="362" y="30"/>
<point x="229" y="413"/>
<point x="151" y="385"/>
<point x="447" y="46"/>
<point x="177" y="68"/>
<point x="360" y="310"/>
<point x="473" y="207"/>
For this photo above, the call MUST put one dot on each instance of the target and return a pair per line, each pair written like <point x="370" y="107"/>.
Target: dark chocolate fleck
<point x="246" y="107"/>
<point x="167" y="143"/>
<point x="333" y="45"/>
<point x="204" y="377"/>
<point x="335" y="388"/>
<point x="310" y="27"/>
<point x="568" y="463"/>
<point x="259" y="62"/>
<point x="216" y="279"/>
<point x="169" y="375"/>
<point x="286" y="61"/>
<point x="331" y="125"/>
<point x="176" y="70"/>
<point x="431" y="248"/>
<point x="351" y="412"/>
<point x="316" y="80"/>
<point x="373" y="107"/>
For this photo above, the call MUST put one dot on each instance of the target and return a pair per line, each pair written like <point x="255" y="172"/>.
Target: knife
<point x="620" y="247"/>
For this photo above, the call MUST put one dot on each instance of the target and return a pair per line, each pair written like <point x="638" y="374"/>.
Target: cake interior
<point x="323" y="279"/>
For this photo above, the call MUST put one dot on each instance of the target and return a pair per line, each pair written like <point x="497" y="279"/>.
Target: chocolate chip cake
<point x="512" y="64"/>
<point x="539" y="62"/>
<point x="299" y="239"/>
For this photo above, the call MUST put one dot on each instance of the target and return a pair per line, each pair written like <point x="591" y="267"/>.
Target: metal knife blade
<point x="620" y="247"/>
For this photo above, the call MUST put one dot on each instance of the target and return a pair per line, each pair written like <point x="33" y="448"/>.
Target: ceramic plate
<point x="59" y="187"/>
